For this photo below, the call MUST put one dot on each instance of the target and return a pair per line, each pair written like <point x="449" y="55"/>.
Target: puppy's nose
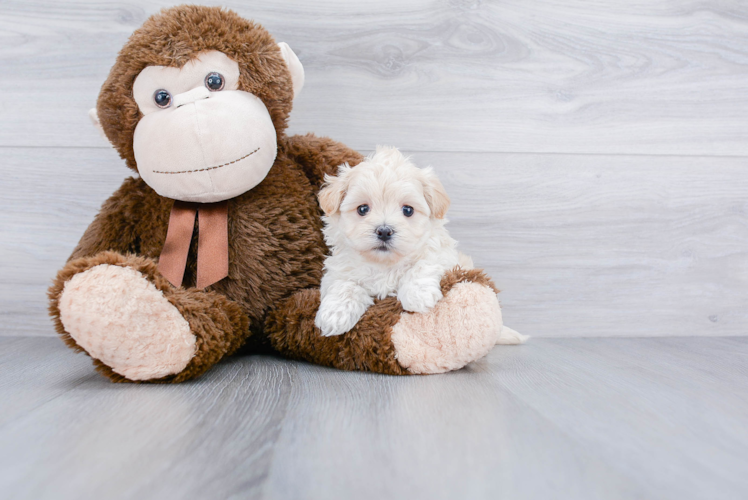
<point x="384" y="233"/>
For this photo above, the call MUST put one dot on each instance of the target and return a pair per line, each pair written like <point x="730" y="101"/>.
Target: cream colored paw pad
<point x="121" y="319"/>
<point x="463" y="327"/>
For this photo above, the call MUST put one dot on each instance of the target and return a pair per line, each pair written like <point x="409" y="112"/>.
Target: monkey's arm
<point x="320" y="155"/>
<point x="114" y="227"/>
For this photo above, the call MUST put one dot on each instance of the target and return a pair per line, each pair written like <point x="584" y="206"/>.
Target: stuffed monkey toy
<point x="216" y="243"/>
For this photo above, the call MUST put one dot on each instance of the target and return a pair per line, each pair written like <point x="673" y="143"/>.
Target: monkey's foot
<point x="461" y="328"/>
<point x="120" y="318"/>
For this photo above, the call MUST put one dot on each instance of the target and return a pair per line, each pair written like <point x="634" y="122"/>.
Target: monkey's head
<point x="197" y="101"/>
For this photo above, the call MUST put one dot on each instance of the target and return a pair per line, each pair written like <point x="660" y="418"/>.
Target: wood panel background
<point x="595" y="151"/>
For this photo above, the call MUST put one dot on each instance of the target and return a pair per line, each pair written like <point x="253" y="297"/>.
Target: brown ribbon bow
<point x="212" y="242"/>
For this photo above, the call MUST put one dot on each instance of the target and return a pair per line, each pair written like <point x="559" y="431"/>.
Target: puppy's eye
<point x="162" y="98"/>
<point x="214" y="82"/>
<point x="407" y="210"/>
<point x="362" y="210"/>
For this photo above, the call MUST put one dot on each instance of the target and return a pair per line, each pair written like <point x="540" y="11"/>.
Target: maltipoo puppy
<point x="384" y="222"/>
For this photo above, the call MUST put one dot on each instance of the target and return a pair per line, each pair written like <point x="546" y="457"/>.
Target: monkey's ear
<point x="94" y="116"/>
<point x="294" y="66"/>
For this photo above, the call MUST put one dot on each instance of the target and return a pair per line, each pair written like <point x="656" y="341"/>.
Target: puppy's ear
<point x="333" y="190"/>
<point x="435" y="194"/>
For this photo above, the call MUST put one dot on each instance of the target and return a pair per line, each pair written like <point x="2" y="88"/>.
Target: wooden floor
<point x="555" y="418"/>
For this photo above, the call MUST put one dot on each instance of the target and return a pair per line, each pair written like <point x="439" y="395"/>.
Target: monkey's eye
<point x="162" y="98"/>
<point x="362" y="210"/>
<point x="214" y="82"/>
<point x="407" y="210"/>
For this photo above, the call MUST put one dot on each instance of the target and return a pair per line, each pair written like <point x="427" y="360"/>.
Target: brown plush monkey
<point x="217" y="242"/>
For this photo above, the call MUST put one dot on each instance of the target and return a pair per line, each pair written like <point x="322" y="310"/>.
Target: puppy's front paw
<point x="419" y="299"/>
<point x="338" y="318"/>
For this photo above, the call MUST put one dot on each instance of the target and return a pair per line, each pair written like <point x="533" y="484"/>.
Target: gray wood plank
<point x="35" y="371"/>
<point x="555" y="418"/>
<point x="566" y="418"/>
<point x="663" y="77"/>
<point x="50" y="196"/>
<point x="210" y="439"/>
<point x="461" y="435"/>
<point x="588" y="245"/>
<point x="580" y="245"/>
<point x="645" y="404"/>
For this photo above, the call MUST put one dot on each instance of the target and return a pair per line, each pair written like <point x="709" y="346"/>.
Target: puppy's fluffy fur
<point x="410" y="264"/>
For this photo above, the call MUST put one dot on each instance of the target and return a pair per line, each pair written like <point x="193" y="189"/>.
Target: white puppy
<point x="384" y="222"/>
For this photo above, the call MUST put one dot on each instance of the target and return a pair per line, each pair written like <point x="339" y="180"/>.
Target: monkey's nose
<point x="384" y="233"/>
<point x="193" y="95"/>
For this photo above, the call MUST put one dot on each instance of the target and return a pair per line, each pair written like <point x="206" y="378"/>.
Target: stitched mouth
<point x="208" y="168"/>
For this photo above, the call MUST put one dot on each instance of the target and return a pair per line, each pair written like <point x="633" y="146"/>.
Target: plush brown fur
<point x="276" y="247"/>
<point x="459" y="275"/>
<point x="367" y="347"/>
